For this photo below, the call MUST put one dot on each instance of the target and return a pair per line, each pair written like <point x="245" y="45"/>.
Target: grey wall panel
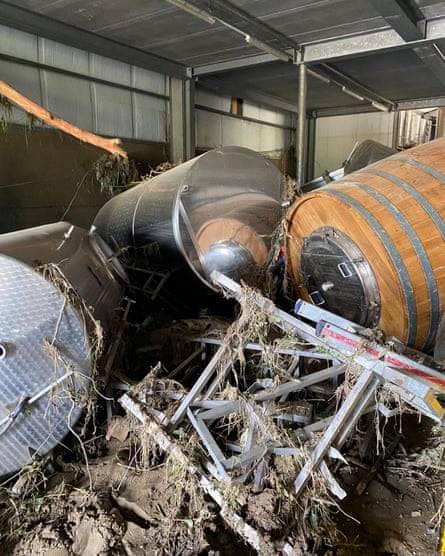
<point x="149" y="118"/>
<point x="271" y="131"/>
<point x="27" y="81"/>
<point x="83" y="101"/>
<point x="149" y="81"/>
<point x="110" y="70"/>
<point x="208" y="129"/>
<point x="214" y="130"/>
<point x="112" y="111"/>
<point x="19" y="44"/>
<point x="278" y="117"/>
<point x="69" y="96"/>
<point x="61" y="56"/>
<point x="212" y="100"/>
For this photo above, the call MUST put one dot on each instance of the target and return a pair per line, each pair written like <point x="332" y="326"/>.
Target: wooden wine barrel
<point x="370" y="247"/>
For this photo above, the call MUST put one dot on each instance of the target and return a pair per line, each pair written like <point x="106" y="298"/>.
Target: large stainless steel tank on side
<point x="371" y="246"/>
<point x="216" y="211"/>
<point x="55" y="281"/>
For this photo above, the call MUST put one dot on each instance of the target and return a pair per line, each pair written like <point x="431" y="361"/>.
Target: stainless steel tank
<point x="55" y="282"/>
<point x="215" y="212"/>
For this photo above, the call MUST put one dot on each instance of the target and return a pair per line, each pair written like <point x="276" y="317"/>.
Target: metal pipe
<point x="301" y="125"/>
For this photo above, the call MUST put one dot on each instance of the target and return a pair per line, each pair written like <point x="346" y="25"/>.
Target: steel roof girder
<point x="400" y="18"/>
<point x="229" y="65"/>
<point x="369" y="43"/>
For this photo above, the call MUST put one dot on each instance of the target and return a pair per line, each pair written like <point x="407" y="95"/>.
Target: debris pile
<point x="256" y="411"/>
<point x="251" y="425"/>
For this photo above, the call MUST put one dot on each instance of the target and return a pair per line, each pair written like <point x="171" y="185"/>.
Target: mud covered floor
<point x="115" y="506"/>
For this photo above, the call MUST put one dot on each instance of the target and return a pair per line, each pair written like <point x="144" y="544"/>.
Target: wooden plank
<point x="281" y="319"/>
<point x="258" y="347"/>
<point x="246" y="458"/>
<point x="225" y="408"/>
<point x="333" y="485"/>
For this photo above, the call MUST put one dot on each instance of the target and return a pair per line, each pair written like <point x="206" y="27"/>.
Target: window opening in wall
<point x="417" y="126"/>
<point x="236" y="106"/>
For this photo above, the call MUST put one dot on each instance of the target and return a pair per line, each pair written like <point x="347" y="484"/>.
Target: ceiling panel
<point x="343" y="28"/>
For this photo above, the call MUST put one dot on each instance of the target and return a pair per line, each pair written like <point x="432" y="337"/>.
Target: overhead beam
<point x="386" y="40"/>
<point x="401" y="19"/>
<point x="339" y="78"/>
<point x="240" y="21"/>
<point x="415" y="104"/>
<point x="236" y="90"/>
<point x="433" y="58"/>
<point x="411" y="27"/>
<point x="432" y="102"/>
<point x="341" y="111"/>
<point x="229" y="65"/>
<point x="36" y="24"/>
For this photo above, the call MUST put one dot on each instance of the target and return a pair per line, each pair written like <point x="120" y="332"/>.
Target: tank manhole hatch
<point x="338" y="277"/>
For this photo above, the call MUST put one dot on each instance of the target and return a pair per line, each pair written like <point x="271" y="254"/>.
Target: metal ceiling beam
<point x="239" y="20"/>
<point x="410" y="26"/>
<point x="433" y="58"/>
<point x="401" y="18"/>
<point x="234" y="89"/>
<point x="340" y="79"/>
<point x="341" y="111"/>
<point x="229" y="65"/>
<point x="36" y="24"/>
<point x="433" y="102"/>
<point x="386" y="40"/>
<point x="416" y="104"/>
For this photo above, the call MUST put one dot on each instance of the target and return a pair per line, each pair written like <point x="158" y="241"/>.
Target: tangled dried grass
<point x="115" y="173"/>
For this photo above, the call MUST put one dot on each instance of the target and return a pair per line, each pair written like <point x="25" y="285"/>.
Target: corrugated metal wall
<point x="96" y="93"/>
<point x="47" y="175"/>
<point x="336" y="136"/>
<point x="259" y="128"/>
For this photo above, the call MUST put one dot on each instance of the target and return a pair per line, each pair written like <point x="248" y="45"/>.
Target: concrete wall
<point x="336" y="136"/>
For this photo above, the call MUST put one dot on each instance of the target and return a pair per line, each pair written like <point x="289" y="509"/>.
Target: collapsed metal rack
<point x="407" y="375"/>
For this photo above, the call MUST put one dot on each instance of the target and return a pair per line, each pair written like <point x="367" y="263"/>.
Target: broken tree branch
<point x="110" y="145"/>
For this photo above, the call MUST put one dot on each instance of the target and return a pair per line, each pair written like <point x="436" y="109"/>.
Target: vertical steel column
<point x="301" y="124"/>
<point x="176" y="124"/>
<point x="310" y="151"/>
<point x="182" y="119"/>
<point x="189" y="119"/>
<point x="395" y="129"/>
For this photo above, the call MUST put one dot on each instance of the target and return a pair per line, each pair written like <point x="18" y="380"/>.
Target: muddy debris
<point x="246" y="434"/>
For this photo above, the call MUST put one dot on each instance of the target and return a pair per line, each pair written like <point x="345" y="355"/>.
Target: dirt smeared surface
<point x="117" y="506"/>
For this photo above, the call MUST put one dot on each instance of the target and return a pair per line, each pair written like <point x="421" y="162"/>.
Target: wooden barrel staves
<point x="370" y="247"/>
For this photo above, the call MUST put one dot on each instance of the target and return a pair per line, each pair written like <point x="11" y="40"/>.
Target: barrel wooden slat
<point x="394" y="212"/>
